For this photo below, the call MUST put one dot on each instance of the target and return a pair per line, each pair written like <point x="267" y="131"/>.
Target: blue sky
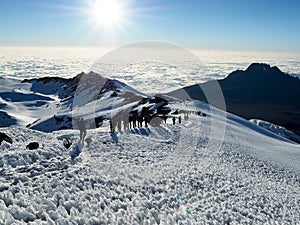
<point x="207" y="24"/>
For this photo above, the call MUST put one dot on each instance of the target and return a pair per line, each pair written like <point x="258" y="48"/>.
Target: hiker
<point x="147" y="120"/>
<point x="174" y="120"/>
<point x="130" y="119"/>
<point x="125" y="122"/>
<point x="165" y="118"/>
<point x="111" y="126"/>
<point x="134" y="121"/>
<point x="82" y="128"/>
<point x="179" y="119"/>
<point x="186" y="116"/>
<point x="119" y="124"/>
<point x="140" y="121"/>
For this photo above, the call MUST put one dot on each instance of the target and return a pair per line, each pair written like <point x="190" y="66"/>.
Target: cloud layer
<point x="147" y="76"/>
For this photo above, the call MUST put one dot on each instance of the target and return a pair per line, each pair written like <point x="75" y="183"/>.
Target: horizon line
<point x="120" y="45"/>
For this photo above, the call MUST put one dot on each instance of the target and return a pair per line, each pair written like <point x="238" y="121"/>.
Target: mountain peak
<point x="258" y="72"/>
<point x="261" y="91"/>
<point x="263" y="67"/>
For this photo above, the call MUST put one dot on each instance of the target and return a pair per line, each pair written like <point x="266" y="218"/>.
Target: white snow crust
<point x="221" y="169"/>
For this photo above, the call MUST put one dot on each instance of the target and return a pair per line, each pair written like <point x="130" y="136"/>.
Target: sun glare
<point x="107" y="12"/>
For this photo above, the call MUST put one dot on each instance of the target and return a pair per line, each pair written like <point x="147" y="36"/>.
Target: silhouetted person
<point x="179" y="119"/>
<point x="174" y="120"/>
<point x="186" y="116"/>
<point x="111" y="126"/>
<point x="125" y="122"/>
<point x="82" y="128"/>
<point x="140" y="121"/>
<point x="147" y="121"/>
<point x="134" y="121"/>
<point x="114" y="124"/>
<point x="130" y="120"/>
<point x="165" y="118"/>
<point x="119" y="121"/>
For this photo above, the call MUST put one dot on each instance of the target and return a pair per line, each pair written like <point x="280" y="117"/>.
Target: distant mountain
<point x="261" y="92"/>
<point x="90" y="95"/>
<point x="61" y="87"/>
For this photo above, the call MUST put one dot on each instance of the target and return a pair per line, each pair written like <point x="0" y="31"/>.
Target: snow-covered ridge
<point x="47" y="104"/>
<point x="277" y="130"/>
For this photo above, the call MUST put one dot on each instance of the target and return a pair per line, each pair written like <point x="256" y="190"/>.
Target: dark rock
<point x="33" y="145"/>
<point x="114" y="94"/>
<point x="67" y="143"/>
<point x="99" y="121"/>
<point x="5" y="137"/>
<point x="58" y="119"/>
<point x="64" y="128"/>
<point x="163" y="110"/>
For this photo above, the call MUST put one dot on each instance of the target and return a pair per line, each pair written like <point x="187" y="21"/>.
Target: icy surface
<point x="190" y="173"/>
<point x="277" y="130"/>
<point x="21" y="106"/>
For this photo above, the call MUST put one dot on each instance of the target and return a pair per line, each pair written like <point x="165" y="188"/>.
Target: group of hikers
<point x="131" y="121"/>
<point x="134" y="120"/>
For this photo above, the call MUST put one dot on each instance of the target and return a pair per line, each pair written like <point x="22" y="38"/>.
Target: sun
<point x="107" y="12"/>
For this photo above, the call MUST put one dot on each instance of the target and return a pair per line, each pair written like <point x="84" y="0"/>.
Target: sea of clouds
<point x="149" y="76"/>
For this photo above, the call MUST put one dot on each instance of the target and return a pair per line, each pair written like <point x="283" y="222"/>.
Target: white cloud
<point x="147" y="76"/>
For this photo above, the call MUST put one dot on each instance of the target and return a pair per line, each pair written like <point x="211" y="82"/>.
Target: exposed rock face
<point x="5" y="137"/>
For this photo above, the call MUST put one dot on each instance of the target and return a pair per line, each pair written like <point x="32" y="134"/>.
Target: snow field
<point x="143" y="176"/>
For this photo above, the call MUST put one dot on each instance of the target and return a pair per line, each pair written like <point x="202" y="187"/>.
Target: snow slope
<point x="277" y="130"/>
<point x="218" y="169"/>
<point x="50" y="103"/>
<point x="19" y="105"/>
